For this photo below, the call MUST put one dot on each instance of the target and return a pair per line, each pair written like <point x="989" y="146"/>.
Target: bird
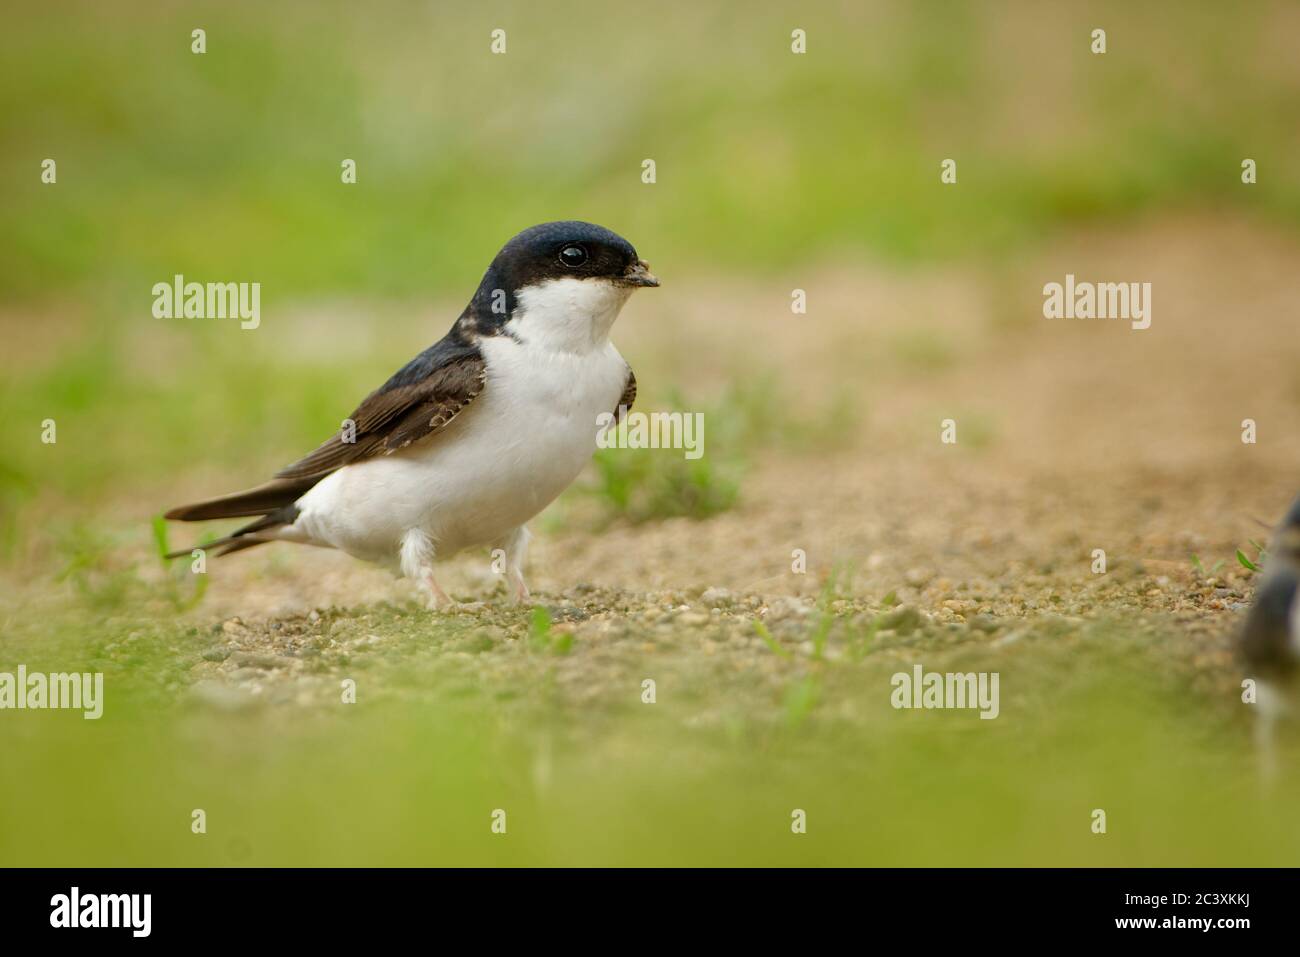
<point x="477" y="434"/>
<point x="1269" y="642"/>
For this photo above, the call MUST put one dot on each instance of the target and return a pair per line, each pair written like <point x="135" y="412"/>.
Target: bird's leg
<point x="516" y="549"/>
<point x="1268" y="708"/>
<point x="435" y="598"/>
<point x="417" y="557"/>
<point x="522" y="593"/>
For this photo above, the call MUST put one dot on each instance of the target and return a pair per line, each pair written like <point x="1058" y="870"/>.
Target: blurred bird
<point x="475" y="435"/>
<point x="1270" y="640"/>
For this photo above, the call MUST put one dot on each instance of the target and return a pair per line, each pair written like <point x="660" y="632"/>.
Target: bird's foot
<point x="450" y="606"/>
<point x="435" y="599"/>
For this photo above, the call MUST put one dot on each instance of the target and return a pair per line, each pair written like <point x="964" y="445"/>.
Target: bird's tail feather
<point x="265" y="498"/>
<point x="241" y="543"/>
<point x="246" y="536"/>
<point x="234" y="542"/>
<point x="273" y="503"/>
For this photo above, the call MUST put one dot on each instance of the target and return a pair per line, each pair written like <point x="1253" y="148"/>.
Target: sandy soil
<point x="1073" y="435"/>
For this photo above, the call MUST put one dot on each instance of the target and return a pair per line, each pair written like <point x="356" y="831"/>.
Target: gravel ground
<point x="1071" y="437"/>
<point x="772" y="683"/>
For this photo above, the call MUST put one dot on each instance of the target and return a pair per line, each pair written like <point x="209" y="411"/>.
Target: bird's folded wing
<point x="420" y="401"/>
<point x="1266" y="637"/>
<point x="629" y="396"/>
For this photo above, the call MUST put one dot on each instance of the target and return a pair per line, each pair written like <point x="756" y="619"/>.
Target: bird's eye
<point x="573" y="256"/>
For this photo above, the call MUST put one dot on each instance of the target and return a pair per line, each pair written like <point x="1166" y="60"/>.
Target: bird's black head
<point x="571" y="250"/>
<point x="555" y="253"/>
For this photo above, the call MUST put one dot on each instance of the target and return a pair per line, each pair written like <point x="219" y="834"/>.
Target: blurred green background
<point x="225" y="166"/>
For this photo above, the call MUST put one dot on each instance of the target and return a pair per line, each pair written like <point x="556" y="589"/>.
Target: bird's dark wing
<point x="629" y="396"/>
<point x="1266" y="636"/>
<point x="419" y="401"/>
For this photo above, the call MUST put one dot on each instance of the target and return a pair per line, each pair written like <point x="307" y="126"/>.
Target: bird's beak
<point x="639" y="274"/>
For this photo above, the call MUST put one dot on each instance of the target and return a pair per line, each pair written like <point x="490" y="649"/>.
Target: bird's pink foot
<point x="435" y="598"/>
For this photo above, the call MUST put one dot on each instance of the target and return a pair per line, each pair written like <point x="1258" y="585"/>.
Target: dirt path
<point x="1072" y="435"/>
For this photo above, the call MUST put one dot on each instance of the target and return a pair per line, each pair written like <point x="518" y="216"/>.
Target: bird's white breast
<point x="499" y="463"/>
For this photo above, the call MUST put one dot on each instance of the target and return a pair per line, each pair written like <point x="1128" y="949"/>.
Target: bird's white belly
<point x="499" y="463"/>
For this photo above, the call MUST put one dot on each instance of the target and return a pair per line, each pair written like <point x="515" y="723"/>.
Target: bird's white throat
<point x="567" y="315"/>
